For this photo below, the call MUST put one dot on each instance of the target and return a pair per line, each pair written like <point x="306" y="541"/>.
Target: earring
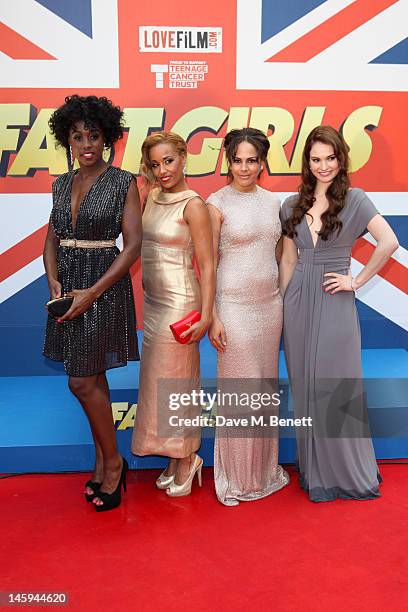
<point x="71" y="157"/>
<point x="184" y="171"/>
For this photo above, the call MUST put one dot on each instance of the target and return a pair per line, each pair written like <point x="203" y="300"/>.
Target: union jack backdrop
<point x="201" y="69"/>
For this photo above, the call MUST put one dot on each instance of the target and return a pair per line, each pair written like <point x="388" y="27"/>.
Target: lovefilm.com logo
<point x="180" y="74"/>
<point x="179" y="39"/>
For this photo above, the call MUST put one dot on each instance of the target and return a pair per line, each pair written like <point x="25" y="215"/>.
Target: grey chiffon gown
<point x="250" y="306"/>
<point x="323" y="354"/>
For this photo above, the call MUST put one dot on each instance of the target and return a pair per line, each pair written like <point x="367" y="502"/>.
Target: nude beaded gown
<point x="323" y="354"/>
<point x="171" y="291"/>
<point x="250" y="306"/>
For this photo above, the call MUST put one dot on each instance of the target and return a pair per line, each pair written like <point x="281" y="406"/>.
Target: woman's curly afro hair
<point x="94" y="112"/>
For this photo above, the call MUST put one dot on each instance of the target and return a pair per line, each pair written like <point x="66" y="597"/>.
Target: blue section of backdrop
<point x="77" y="12"/>
<point x="277" y="16"/>
<point x="45" y="429"/>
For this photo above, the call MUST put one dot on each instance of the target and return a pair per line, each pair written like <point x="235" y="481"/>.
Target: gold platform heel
<point x="175" y="490"/>
<point x="164" y="481"/>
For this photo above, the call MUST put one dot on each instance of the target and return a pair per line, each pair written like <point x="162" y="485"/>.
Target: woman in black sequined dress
<point x="91" y="207"/>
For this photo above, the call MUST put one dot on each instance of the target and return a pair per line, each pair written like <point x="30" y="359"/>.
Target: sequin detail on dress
<point x="104" y="336"/>
<point x="250" y="306"/>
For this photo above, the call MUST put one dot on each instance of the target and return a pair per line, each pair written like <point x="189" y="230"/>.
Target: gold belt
<point x="87" y="244"/>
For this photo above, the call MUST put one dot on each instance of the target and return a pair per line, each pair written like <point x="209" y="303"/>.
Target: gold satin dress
<point x="171" y="291"/>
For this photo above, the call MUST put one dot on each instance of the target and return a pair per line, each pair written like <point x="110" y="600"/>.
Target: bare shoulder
<point x="195" y="208"/>
<point x="195" y="203"/>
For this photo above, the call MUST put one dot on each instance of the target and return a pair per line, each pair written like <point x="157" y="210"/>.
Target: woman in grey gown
<point x="321" y="329"/>
<point x="247" y="318"/>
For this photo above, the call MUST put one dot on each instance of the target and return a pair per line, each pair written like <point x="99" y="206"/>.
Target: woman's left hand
<point x="196" y="331"/>
<point x="83" y="300"/>
<point x="338" y="282"/>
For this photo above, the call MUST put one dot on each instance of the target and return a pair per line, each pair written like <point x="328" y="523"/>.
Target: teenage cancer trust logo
<point x="177" y="39"/>
<point x="184" y="74"/>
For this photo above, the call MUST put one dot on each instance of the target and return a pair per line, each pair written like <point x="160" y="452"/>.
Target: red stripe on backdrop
<point x="22" y="253"/>
<point x="332" y="30"/>
<point x="393" y="271"/>
<point x="17" y="47"/>
<point x="25" y="251"/>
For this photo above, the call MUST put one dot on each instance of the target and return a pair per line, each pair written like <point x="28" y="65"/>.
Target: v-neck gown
<point x="323" y="354"/>
<point x="105" y="335"/>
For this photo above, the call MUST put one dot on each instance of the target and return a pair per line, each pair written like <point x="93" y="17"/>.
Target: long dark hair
<point x="337" y="191"/>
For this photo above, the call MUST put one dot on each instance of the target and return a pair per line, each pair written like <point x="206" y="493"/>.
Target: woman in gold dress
<point x="176" y="227"/>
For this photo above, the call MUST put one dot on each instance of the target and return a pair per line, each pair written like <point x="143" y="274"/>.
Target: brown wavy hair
<point x="337" y="191"/>
<point x="151" y="141"/>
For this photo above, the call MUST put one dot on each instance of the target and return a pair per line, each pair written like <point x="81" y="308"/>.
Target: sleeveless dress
<point x="323" y="353"/>
<point x="249" y="305"/>
<point x="105" y="335"/>
<point x="171" y="291"/>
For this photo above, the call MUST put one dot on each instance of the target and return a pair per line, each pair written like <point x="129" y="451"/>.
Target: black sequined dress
<point x="105" y="335"/>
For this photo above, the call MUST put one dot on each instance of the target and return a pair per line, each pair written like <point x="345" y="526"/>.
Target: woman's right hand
<point x="216" y="334"/>
<point x="55" y="289"/>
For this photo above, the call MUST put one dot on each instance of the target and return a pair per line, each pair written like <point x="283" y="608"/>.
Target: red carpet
<point x="155" y="553"/>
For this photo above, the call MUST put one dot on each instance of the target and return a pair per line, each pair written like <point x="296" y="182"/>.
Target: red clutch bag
<point x="185" y="323"/>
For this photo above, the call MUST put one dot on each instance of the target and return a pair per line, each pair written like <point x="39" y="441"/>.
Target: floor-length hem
<point x="282" y="481"/>
<point x="250" y="306"/>
<point x="320" y="494"/>
<point x="323" y="356"/>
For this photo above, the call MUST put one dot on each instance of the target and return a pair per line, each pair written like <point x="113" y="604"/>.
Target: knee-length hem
<point x="91" y="373"/>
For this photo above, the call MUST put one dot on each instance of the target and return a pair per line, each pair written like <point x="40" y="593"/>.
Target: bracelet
<point x="351" y="285"/>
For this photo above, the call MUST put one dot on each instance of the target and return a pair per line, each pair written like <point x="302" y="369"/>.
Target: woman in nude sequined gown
<point x="176" y="226"/>
<point x="247" y="322"/>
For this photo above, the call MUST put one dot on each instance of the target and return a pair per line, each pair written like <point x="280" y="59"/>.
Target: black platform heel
<point x="95" y="486"/>
<point x="112" y="500"/>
